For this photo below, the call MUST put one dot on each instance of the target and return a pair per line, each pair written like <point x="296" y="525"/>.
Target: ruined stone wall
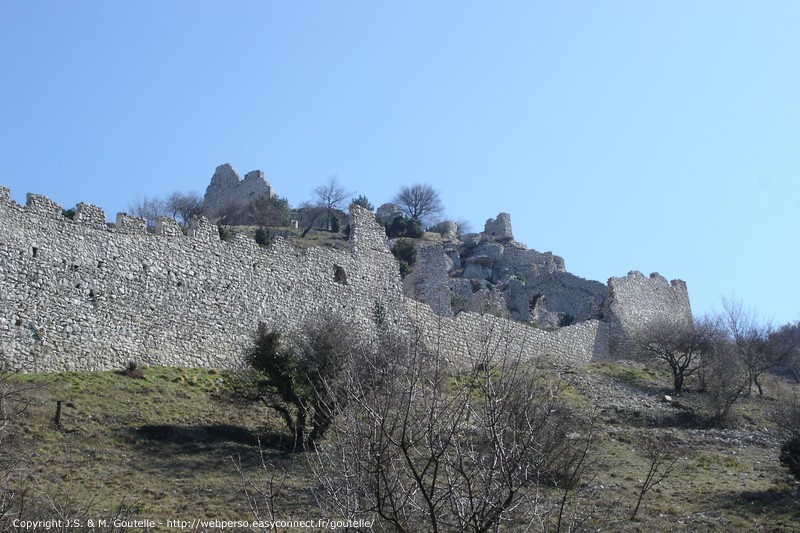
<point x="227" y="189"/>
<point x="80" y="295"/>
<point x="635" y="302"/>
<point x="84" y="295"/>
<point x="469" y="335"/>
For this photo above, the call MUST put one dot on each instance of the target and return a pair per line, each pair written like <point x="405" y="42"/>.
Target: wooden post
<point x="57" y="419"/>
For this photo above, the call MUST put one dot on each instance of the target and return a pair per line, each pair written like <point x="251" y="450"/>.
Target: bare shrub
<point x="759" y="347"/>
<point x="427" y="447"/>
<point x="786" y="415"/>
<point x="661" y="459"/>
<point x="725" y="377"/>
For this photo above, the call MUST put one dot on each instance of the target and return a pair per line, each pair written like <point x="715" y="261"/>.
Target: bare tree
<point x="757" y="344"/>
<point x="661" y="462"/>
<point x="148" y="208"/>
<point x="183" y="206"/>
<point x="331" y="196"/>
<point x="311" y="217"/>
<point x="724" y="377"/>
<point x="420" y="202"/>
<point x="680" y="346"/>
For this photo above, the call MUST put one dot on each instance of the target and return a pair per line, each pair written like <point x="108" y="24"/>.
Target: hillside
<point x="168" y="446"/>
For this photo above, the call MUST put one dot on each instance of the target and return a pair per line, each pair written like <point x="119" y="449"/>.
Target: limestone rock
<point x="388" y="212"/>
<point x="447" y="229"/>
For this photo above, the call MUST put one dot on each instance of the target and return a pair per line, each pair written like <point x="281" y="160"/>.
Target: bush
<point x="297" y="377"/>
<point x="334" y="223"/>
<point x="790" y="456"/>
<point x="263" y="236"/>
<point x="363" y="202"/>
<point x="404" y="227"/>
<point x="224" y="233"/>
<point x="406" y="254"/>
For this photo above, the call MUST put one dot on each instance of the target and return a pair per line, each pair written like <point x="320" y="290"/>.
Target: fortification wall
<point x="635" y="302"/>
<point x="469" y="335"/>
<point x="80" y="295"/>
<point x="85" y="295"/>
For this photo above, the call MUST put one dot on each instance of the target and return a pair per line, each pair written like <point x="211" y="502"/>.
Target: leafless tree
<point x="724" y="377"/>
<point x="757" y="344"/>
<point x="429" y="448"/>
<point x="148" y="208"/>
<point x="331" y="196"/>
<point x="183" y="206"/>
<point x="678" y="345"/>
<point x="14" y="401"/>
<point x="420" y="202"/>
<point x="311" y="217"/>
<point x="661" y="459"/>
<point x="262" y="497"/>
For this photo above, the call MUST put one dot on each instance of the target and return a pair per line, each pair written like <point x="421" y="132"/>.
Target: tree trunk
<point x="57" y="419"/>
<point x="677" y="383"/>
<point x="760" y="388"/>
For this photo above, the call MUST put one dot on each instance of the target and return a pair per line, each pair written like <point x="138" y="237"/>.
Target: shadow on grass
<point x="199" y="438"/>
<point x="779" y="509"/>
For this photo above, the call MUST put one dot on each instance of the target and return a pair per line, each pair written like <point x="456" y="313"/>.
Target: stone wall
<point x="82" y="296"/>
<point x="85" y="295"/>
<point x="469" y="335"/>
<point x="635" y="301"/>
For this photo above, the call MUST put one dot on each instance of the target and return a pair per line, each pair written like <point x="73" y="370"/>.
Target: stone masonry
<point x="85" y="295"/>
<point x="228" y="189"/>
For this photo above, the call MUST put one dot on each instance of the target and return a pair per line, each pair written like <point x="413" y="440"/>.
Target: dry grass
<point x="164" y="447"/>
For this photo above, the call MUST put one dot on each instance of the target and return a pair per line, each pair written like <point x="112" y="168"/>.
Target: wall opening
<point x="339" y="275"/>
<point x="35" y="251"/>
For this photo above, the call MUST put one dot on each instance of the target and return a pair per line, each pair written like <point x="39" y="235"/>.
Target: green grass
<point x="637" y="376"/>
<point x="165" y="447"/>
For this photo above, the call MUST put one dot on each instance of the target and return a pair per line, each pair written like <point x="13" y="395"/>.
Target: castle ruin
<point x="81" y="294"/>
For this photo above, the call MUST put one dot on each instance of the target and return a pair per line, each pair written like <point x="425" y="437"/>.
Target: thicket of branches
<point x="419" y="443"/>
<point x="729" y="352"/>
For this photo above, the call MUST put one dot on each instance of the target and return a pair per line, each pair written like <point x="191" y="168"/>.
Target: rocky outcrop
<point x="388" y="212"/>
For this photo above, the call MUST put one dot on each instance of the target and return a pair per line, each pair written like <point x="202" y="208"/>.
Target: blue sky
<point x="651" y="136"/>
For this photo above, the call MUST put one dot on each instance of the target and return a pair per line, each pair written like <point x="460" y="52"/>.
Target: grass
<point x="166" y="447"/>
<point x="163" y="446"/>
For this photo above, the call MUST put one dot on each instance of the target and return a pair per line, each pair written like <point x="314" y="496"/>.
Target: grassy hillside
<point x="167" y="447"/>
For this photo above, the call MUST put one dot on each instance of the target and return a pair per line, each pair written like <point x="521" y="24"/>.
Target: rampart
<point x="81" y="294"/>
<point x="636" y="302"/>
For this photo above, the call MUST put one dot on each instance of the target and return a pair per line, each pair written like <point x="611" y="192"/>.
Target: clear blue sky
<point x="655" y="136"/>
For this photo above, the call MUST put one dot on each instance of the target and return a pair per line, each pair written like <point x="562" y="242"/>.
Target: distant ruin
<point x="80" y="294"/>
<point x="227" y="190"/>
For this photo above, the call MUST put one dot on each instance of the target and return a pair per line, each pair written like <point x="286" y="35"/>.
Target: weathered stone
<point x="227" y="189"/>
<point x="635" y="302"/>
<point x="500" y="227"/>
<point x="428" y="279"/>
<point x="83" y="296"/>
<point x="447" y="229"/>
<point x="388" y="212"/>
